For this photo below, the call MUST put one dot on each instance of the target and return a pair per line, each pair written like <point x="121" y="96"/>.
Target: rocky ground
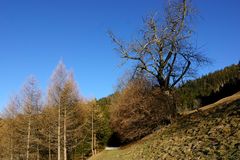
<point x="211" y="134"/>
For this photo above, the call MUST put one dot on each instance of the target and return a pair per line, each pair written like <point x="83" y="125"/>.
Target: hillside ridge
<point x="225" y="100"/>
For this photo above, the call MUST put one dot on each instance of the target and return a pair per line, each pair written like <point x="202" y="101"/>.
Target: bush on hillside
<point x="138" y="109"/>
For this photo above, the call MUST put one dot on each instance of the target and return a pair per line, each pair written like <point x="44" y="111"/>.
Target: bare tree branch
<point x="164" y="51"/>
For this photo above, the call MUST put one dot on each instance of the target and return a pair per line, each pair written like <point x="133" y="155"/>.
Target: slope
<point x="212" y="132"/>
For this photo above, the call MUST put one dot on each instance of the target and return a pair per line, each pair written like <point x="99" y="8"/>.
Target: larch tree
<point x="8" y="130"/>
<point x="58" y="81"/>
<point x="93" y="144"/>
<point x="49" y="123"/>
<point x="63" y="93"/>
<point x="31" y="104"/>
<point x="72" y="115"/>
<point x="54" y="131"/>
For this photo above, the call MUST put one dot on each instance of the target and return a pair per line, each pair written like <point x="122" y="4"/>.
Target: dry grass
<point x="215" y="135"/>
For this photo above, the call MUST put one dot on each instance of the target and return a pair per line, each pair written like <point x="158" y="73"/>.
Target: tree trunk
<point x="28" y="137"/>
<point x="162" y="82"/>
<point x="49" y="147"/>
<point x="92" y="135"/>
<point x="59" y="132"/>
<point x="37" y="152"/>
<point x="95" y="144"/>
<point x="11" y="145"/>
<point x="65" y="133"/>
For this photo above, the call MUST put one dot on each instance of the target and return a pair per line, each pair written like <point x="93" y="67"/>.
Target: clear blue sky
<point x="36" y="34"/>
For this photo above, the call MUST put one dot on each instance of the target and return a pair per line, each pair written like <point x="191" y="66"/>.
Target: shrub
<point x="140" y="108"/>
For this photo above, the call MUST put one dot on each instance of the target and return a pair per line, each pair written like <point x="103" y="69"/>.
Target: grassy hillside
<point x="213" y="133"/>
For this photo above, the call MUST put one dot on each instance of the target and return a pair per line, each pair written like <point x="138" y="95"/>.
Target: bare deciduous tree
<point x="164" y="52"/>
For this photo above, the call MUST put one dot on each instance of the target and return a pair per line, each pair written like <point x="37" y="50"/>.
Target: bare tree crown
<point x="164" y="51"/>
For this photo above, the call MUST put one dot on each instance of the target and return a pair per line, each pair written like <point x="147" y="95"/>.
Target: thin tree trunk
<point x="65" y="134"/>
<point x="59" y="132"/>
<point x="73" y="153"/>
<point x="28" y="137"/>
<point x="37" y="152"/>
<point x="11" y="145"/>
<point x="92" y="133"/>
<point x="95" y="144"/>
<point x="49" y="147"/>
<point x="93" y="139"/>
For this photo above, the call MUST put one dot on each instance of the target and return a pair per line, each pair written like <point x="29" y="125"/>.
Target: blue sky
<point x="36" y="34"/>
